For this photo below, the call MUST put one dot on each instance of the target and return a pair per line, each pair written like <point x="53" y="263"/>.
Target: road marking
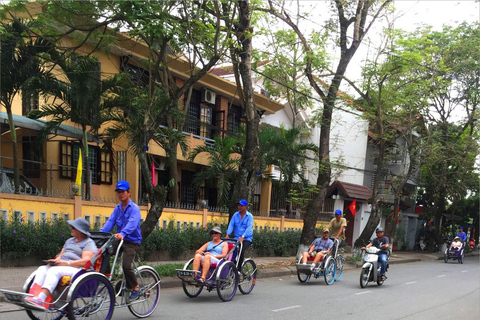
<point x="465" y="271"/>
<point x="283" y="309"/>
<point x="359" y="293"/>
<point x="443" y="275"/>
<point x="411" y="282"/>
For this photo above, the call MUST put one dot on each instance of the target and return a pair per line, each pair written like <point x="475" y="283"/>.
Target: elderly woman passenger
<point x="210" y="252"/>
<point x="76" y="252"/>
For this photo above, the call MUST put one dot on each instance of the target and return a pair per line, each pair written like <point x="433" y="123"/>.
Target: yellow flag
<point x="78" y="182"/>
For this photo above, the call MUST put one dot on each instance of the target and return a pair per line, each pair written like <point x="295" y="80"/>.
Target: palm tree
<point x="282" y="147"/>
<point x="21" y="61"/>
<point x="223" y="165"/>
<point x="138" y="113"/>
<point x="80" y="99"/>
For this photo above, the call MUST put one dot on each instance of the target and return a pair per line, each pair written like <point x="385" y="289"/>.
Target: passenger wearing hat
<point x="337" y="226"/>
<point x="76" y="252"/>
<point x="462" y="235"/>
<point x="126" y="216"/>
<point x="456" y="244"/>
<point x="382" y="243"/>
<point x="210" y="252"/>
<point x="241" y="225"/>
<point x="319" y="248"/>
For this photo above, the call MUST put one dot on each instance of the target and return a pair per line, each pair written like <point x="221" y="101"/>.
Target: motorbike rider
<point x="381" y="242"/>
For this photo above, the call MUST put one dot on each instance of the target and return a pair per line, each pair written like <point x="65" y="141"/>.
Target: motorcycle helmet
<point x="380" y="229"/>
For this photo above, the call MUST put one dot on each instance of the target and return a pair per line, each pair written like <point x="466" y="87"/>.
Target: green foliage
<point x="41" y="239"/>
<point x="275" y="243"/>
<point x="168" y="270"/>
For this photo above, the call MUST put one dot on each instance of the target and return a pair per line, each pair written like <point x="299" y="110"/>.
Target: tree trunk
<point x="13" y="134"/>
<point x="249" y="163"/>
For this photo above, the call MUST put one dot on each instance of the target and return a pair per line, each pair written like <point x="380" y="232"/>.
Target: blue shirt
<point x="462" y="236"/>
<point x="215" y="248"/>
<point x="241" y="227"/>
<point x="378" y="244"/>
<point x="322" y="244"/>
<point x="127" y="221"/>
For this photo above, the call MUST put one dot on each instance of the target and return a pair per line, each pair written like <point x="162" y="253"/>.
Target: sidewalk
<point x="14" y="278"/>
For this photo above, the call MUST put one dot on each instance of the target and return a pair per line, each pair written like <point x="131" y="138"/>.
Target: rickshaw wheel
<point x="191" y="290"/>
<point x="227" y="281"/>
<point x="339" y="261"/>
<point x="303" y="277"/>
<point x="147" y="302"/>
<point x="43" y="315"/>
<point x="329" y="271"/>
<point x="446" y="257"/>
<point x="93" y="296"/>
<point x="249" y="272"/>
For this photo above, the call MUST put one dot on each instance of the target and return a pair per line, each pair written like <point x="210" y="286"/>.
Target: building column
<point x="77" y="207"/>
<point x="265" y="197"/>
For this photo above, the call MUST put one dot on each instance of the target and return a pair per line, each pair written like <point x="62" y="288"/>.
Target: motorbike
<point x="371" y="267"/>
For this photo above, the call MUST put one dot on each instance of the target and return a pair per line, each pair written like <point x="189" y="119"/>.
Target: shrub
<point x="41" y="239"/>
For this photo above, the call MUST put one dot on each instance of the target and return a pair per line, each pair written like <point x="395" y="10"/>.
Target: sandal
<point x="201" y="280"/>
<point x="384" y="278"/>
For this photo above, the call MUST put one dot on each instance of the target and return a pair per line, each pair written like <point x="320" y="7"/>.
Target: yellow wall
<point x="11" y="203"/>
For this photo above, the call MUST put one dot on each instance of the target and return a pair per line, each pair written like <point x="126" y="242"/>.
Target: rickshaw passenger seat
<point x="229" y="257"/>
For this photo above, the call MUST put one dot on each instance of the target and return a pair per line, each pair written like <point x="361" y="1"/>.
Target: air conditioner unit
<point x="208" y="96"/>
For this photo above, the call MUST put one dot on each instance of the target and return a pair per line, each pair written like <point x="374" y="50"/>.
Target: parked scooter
<point x="371" y="267"/>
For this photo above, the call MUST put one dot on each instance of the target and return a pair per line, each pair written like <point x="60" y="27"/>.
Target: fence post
<point x="204" y="217"/>
<point x="77" y="205"/>
<point x="282" y="223"/>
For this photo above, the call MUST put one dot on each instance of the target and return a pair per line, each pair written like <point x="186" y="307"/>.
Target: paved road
<point x="422" y="290"/>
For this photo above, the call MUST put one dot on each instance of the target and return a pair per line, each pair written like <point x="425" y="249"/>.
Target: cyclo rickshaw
<point x="222" y="276"/>
<point x="330" y="266"/>
<point x="94" y="294"/>
<point x="455" y="253"/>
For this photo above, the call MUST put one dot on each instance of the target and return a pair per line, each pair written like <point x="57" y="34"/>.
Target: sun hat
<point x="122" y="185"/>
<point x="81" y="225"/>
<point x="456" y="238"/>
<point x="338" y="211"/>
<point x="216" y="230"/>
<point x="243" y="202"/>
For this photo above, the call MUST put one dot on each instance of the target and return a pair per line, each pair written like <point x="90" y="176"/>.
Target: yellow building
<point x="214" y="109"/>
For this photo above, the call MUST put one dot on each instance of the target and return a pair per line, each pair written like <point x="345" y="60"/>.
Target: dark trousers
<point x="129" y="249"/>
<point x="245" y="246"/>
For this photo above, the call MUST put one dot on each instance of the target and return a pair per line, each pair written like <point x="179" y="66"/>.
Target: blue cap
<point x="461" y="227"/>
<point x="243" y="202"/>
<point x="379" y="229"/>
<point x="338" y="211"/>
<point x="122" y="185"/>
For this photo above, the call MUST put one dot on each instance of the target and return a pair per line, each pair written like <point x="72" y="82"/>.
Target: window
<point x="185" y="225"/>
<point x="98" y="222"/>
<point x="206" y="122"/>
<point x="54" y="216"/>
<point x="17" y="215"/>
<point x="31" y="216"/>
<point x="87" y="217"/>
<point x="4" y="214"/>
<point x="178" y="225"/>
<point x="29" y="102"/>
<point x="105" y="219"/>
<point x="138" y="75"/>
<point x="31" y="158"/>
<point x="100" y="163"/>
<point x="42" y="216"/>
<point x="192" y="224"/>
<point x="164" y="224"/>
<point x="234" y="118"/>
<point x="66" y="216"/>
<point x="198" y="225"/>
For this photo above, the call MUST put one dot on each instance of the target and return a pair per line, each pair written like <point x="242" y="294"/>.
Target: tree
<point x="187" y="31"/>
<point x="352" y="24"/>
<point x="78" y="98"/>
<point x="223" y="165"/>
<point x="283" y="148"/>
<point x="451" y="145"/>
<point x="22" y="57"/>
